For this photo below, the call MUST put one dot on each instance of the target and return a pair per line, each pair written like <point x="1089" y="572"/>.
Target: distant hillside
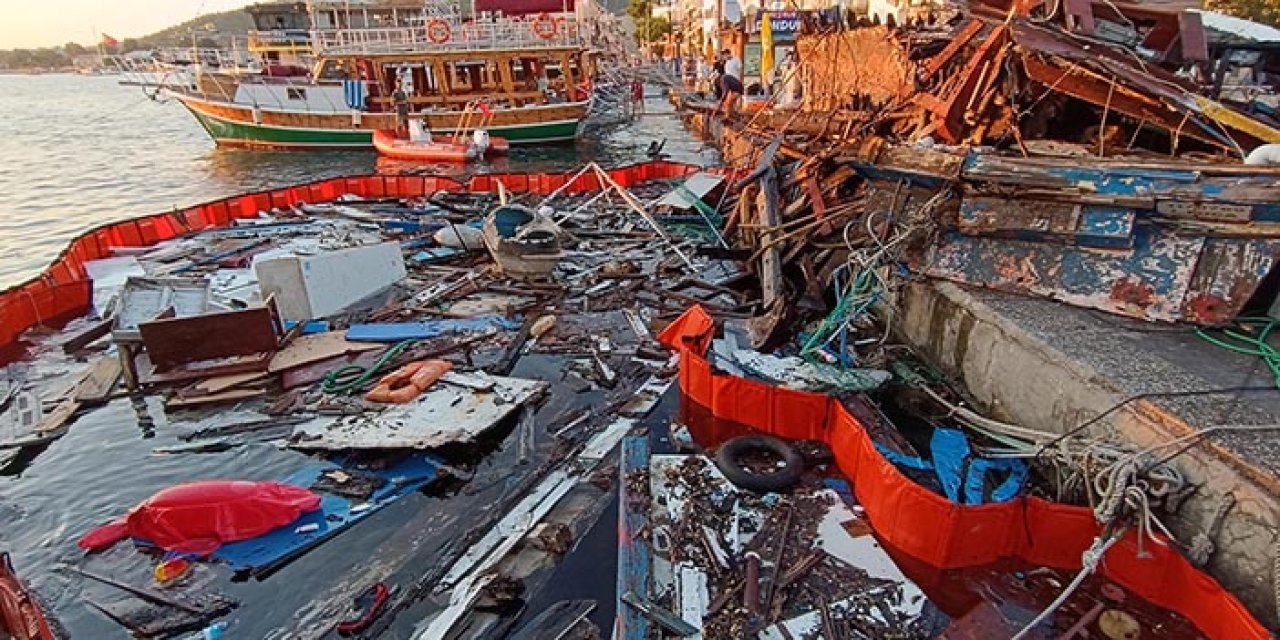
<point x="218" y="27"/>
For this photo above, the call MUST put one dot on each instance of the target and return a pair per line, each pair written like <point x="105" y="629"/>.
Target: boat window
<point x="296" y="93"/>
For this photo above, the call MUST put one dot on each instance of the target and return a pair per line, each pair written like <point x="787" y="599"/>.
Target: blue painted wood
<point x="397" y="331"/>
<point x="634" y="555"/>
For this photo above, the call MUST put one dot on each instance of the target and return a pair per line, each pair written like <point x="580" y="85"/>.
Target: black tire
<point x="728" y="459"/>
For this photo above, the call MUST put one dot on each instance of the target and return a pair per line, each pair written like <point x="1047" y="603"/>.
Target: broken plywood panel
<point x="173" y="342"/>
<point x="444" y="414"/>
<point x="318" y="347"/>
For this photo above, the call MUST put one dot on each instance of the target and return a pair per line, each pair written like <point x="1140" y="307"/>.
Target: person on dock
<point x="637" y="96"/>
<point x="730" y="82"/>
<point x="400" y="98"/>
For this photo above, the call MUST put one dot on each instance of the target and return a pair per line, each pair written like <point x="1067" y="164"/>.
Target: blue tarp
<point x="397" y="331"/>
<point x="271" y="551"/>
<point x="958" y="469"/>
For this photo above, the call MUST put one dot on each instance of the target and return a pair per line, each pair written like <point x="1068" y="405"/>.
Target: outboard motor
<point x="417" y="131"/>
<point x="481" y="140"/>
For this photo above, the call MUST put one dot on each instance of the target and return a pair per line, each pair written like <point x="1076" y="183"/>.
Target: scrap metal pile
<point x="1091" y="78"/>
<point x="1033" y="151"/>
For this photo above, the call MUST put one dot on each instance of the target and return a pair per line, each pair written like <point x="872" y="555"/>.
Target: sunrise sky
<point x="45" y="23"/>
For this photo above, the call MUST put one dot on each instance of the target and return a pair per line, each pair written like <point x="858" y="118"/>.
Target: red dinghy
<point x="440" y="149"/>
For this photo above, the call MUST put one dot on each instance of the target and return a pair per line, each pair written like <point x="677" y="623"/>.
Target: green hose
<point x="1250" y="345"/>
<point x="347" y="379"/>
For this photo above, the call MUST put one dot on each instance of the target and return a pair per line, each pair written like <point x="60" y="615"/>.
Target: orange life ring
<point x="438" y="31"/>
<point x="409" y="381"/>
<point x="544" y="27"/>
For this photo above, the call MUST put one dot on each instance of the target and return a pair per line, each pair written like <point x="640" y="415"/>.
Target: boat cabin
<point x="450" y="80"/>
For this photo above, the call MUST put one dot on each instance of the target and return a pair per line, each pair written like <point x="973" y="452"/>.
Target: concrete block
<point x="310" y="287"/>
<point x="1049" y="367"/>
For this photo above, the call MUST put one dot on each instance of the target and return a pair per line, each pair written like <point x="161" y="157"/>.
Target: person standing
<point x="730" y="82"/>
<point x="637" y="96"/>
<point x="400" y="98"/>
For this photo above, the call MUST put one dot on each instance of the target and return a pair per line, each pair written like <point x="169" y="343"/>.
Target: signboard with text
<point x="785" y="24"/>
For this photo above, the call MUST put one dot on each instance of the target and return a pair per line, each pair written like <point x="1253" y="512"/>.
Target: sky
<point x="47" y="23"/>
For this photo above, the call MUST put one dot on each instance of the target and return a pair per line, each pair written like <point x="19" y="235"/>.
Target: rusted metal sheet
<point x="961" y="39"/>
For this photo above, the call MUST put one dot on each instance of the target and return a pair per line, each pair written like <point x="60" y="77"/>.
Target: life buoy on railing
<point x="438" y="31"/>
<point x="544" y="27"/>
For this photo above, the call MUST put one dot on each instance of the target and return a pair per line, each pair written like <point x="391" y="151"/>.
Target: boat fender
<point x="544" y="27"/>
<point x="1264" y="155"/>
<point x="729" y="460"/>
<point x="438" y="31"/>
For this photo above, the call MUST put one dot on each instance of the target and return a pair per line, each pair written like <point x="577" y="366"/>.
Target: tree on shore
<point x="648" y="27"/>
<point x="1263" y="11"/>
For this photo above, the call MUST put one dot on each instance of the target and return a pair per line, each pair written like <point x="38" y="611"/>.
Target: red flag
<point x="484" y="108"/>
<point x="108" y="41"/>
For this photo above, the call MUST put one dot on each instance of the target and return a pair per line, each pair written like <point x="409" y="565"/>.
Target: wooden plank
<point x="98" y="382"/>
<point x="180" y="402"/>
<point x="317" y="347"/>
<point x="84" y="338"/>
<point x="771" y="261"/>
<point x="223" y="383"/>
<point x="55" y="421"/>
<point x="198" y="370"/>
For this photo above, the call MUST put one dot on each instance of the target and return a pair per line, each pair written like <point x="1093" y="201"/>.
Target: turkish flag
<point x="484" y="108"/>
<point x="108" y="41"/>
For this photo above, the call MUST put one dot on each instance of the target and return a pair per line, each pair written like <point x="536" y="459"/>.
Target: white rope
<point x="1089" y="561"/>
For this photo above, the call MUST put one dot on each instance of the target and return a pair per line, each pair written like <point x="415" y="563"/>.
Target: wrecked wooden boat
<point x="524" y="243"/>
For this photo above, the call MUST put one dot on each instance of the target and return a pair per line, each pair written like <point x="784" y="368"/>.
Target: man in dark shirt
<point x="401" y="99"/>
<point x="717" y="73"/>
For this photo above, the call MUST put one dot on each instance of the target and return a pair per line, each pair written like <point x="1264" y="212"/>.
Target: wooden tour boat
<point x="533" y="71"/>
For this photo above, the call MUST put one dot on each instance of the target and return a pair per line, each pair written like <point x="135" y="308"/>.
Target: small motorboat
<point x="419" y="146"/>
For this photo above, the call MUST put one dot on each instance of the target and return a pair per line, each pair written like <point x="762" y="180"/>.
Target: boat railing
<point x="287" y="40"/>
<point x="542" y="32"/>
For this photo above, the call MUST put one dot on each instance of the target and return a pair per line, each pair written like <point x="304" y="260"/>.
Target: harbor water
<point x="79" y="151"/>
<point x="76" y="152"/>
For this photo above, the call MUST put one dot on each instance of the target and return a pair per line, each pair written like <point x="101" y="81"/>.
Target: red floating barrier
<point x="932" y="529"/>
